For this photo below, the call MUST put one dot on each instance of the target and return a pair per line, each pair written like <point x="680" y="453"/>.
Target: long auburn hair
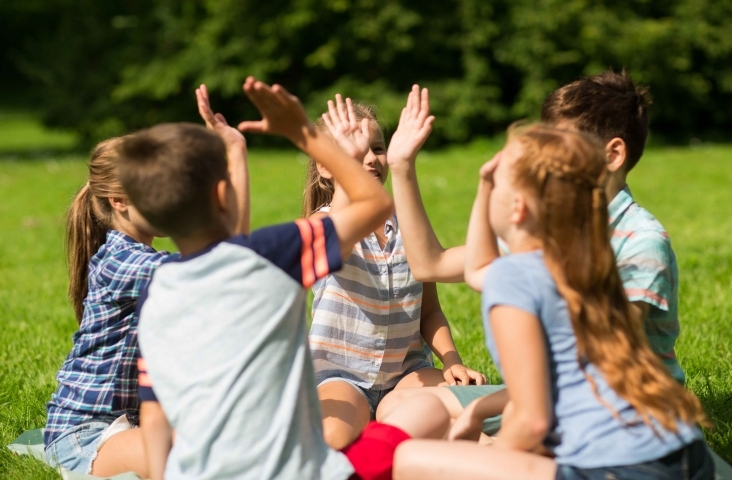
<point x="565" y="172"/>
<point x="319" y="190"/>
<point x="89" y="218"/>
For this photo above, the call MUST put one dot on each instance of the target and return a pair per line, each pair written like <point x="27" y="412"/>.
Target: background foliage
<point x="103" y="68"/>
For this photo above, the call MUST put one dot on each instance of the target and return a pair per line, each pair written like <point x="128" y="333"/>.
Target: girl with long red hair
<point x="587" y="397"/>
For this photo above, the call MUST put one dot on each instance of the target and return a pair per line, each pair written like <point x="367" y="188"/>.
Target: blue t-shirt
<point x="584" y="433"/>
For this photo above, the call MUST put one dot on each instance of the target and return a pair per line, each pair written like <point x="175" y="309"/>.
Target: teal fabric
<point x="468" y="393"/>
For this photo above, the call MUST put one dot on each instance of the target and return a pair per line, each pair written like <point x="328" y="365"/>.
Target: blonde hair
<point x="89" y="218"/>
<point x="319" y="190"/>
<point x="565" y="171"/>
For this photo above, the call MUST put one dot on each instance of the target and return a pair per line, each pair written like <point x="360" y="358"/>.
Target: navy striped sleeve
<point x="144" y="384"/>
<point x="307" y="249"/>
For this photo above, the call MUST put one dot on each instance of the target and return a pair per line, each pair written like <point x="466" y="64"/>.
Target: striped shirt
<point x="366" y="318"/>
<point x="647" y="267"/>
<point x="99" y="376"/>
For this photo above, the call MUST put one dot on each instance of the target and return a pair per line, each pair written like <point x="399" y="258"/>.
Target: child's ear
<point x="616" y="154"/>
<point x="323" y="171"/>
<point x="118" y="203"/>
<point x="221" y="195"/>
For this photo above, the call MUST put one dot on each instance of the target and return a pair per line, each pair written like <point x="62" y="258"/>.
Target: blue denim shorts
<point x="373" y="397"/>
<point x="76" y="448"/>
<point x="693" y="462"/>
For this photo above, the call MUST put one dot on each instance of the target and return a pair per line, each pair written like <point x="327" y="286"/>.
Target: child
<point x="110" y="263"/>
<point x="613" y="108"/>
<point x="369" y="319"/>
<point x="584" y="385"/>
<point x="223" y="330"/>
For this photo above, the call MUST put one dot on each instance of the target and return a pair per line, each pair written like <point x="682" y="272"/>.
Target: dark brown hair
<point x="608" y="105"/>
<point x="318" y="190"/>
<point x="89" y="218"/>
<point x="169" y="172"/>
<point x="565" y="172"/>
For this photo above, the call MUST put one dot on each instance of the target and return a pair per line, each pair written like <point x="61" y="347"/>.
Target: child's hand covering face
<point x="415" y="125"/>
<point x="282" y="113"/>
<point x="349" y="134"/>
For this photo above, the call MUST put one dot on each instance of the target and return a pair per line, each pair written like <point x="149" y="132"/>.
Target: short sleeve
<point x="646" y="267"/>
<point x="144" y="384"/>
<point x="307" y="249"/>
<point x="506" y="283"/>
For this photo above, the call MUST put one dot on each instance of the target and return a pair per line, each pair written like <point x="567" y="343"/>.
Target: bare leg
<point x="397" y="397"/>
<point x="421" y="416"/>
<point x="345" y="413"/>
<point x="425" y="377"/>
<point x="123" y="452"/>
<point x="436" y="460"/>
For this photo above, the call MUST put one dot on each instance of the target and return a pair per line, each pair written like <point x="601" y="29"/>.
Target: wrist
<point x="451" y="359"/>
<point x="401" y="166"/>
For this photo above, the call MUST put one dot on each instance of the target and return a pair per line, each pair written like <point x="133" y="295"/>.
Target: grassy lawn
<point x="689" y="191"/>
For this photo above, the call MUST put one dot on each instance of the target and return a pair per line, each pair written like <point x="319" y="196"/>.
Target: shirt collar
<point x="622" y="201"/>
<point x="115" y="237"/>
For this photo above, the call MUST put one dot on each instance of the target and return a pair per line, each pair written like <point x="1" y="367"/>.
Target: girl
<point x="582" y="382"/>
<point x="110" y="263"/>
<point x="370" y="319"/>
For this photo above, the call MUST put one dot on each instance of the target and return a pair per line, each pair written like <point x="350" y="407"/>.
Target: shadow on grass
<point x="718" y="406"/>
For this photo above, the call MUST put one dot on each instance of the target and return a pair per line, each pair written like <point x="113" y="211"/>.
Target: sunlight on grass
<point x="22" y="132"/>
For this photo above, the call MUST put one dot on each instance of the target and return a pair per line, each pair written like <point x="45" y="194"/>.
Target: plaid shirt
<point x="647" y="267"/>
<point x="99" y="377"/>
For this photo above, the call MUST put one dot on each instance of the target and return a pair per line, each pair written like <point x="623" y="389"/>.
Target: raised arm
<point x="236" y="151"/>
<point x="481" y="245"/>
<point x="282" y="114"/>
<point x="428" y="260"/>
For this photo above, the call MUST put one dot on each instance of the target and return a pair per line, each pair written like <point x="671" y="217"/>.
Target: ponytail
<point x="565" y="172"/>
<point x="318" y="189"/>
<point x="89" y="218"/>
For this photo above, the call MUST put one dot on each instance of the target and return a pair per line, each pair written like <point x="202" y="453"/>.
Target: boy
<point x="223" y="329"/>
<point x="612" y="107"/>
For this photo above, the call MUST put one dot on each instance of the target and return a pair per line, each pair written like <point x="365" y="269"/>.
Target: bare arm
<point x="481" y="244"/>
<point x="236" y="152"/>
<point x="282" y="114"/>
<point x="428" y="260"/>
<point x="436" y="332"/>
<point x="157" y="435"/>
<point x="521" y="346"/>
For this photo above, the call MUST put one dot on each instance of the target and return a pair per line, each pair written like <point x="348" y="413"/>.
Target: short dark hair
<point x="608" y="105"/>
<point x="169" y="172"/>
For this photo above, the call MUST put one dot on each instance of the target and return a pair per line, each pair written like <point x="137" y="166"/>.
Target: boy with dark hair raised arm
<point x="614" y="109"/>
<point x="222" y="329"/>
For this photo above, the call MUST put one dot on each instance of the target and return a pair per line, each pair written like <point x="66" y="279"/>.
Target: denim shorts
<point x="693" y="462"/>
<point x="76" y="448"/>
<point x="373" y="397"/>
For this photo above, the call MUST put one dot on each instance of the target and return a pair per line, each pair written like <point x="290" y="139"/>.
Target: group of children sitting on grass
<point x="208" y="352"/>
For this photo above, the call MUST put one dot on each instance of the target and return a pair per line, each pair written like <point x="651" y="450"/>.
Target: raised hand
<point x="415" y="125"/>
<point x="351" y="135"/>
<point x="489" y="168"/>
<point x="282" y="112"/>
<point x="216" y="122"/>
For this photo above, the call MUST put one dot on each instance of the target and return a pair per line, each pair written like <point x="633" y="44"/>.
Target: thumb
<point x="258" y="126"/>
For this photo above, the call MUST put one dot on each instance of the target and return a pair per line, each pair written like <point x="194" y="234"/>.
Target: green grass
<point x="22" y="134"/>
<point x="689" y="191"/>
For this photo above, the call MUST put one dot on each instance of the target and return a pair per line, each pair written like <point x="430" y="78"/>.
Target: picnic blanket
<point x="31" y="443"/>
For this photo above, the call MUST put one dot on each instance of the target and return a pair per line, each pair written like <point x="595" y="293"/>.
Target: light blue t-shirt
<point x="224" y="338"/>
<point x="584" y="434"/>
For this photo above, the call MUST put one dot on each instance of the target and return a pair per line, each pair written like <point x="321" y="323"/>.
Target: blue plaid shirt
<point x="99" y="377"/>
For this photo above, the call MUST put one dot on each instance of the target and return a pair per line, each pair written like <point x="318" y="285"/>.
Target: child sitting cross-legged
<point x="583" y="384"/>
<point x="222" y="329"/>
<point x="374" y="325"/>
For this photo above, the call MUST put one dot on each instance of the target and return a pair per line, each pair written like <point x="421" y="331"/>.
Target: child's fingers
<point x="414" y="97"/>
<point x="254" y="94"/>
<point x="449" y="377"/>
<point x="329" y="124"/>
<point x="351" y="115"/>
<point x="333" y="114"/>
<point x="341" y="107"/>
<point x="365" y="131"/>
<point x="220" y="118"/>
<point x="424" y="109"/>
<point x="254" y="126"/>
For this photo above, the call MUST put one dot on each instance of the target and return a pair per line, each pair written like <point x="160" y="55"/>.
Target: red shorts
<point x="372" y="453"/>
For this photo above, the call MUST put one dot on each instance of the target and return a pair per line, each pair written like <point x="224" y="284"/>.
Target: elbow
<point x="474" y="280"/>
<point x="421" y="273"/>
<point x="535" y="425"/>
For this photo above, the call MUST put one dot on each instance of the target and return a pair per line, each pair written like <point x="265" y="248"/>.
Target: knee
<point x="437" y="413"/>
<point x="335" y="436"/>
<point x="388" y="403"/>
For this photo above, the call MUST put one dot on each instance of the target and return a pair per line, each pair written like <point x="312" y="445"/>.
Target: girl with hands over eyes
<point x="375" y="325"/>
